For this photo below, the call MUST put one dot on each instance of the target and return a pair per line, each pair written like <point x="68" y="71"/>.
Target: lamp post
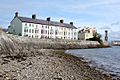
<point x="106" y="35"/>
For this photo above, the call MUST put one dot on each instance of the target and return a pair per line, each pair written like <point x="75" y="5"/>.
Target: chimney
<point x="33" y="16"/>
<point x="71" y="23"/>
<point x="61" y="21"/>
<point x="16" y="14"/>
<point x="48" y="19"/>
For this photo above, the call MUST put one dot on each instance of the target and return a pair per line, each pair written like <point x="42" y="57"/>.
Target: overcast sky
<point x="102" y="14"/>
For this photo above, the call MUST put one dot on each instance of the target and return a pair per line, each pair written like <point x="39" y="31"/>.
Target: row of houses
<point x="38" y="28"/>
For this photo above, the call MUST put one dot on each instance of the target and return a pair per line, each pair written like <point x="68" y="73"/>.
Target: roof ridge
<point x="45" y="22"/>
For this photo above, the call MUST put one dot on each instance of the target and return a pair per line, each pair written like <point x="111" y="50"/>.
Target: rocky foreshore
<point x="47" y="65"/>
<point x="24" y="58"/>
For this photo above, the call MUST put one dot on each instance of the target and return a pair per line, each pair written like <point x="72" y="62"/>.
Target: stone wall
<point x="14" y="43"/>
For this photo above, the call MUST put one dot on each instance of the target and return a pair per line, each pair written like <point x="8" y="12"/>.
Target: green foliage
<point x="97" y="37"/>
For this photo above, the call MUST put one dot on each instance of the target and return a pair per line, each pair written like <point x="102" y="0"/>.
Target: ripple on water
<point x="106" y="59"/>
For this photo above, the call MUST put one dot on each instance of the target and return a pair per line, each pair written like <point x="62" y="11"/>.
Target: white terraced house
<point x="37" y="28"/>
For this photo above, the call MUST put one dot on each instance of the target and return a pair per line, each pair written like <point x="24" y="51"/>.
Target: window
<point x="74" y="33"/>
<point x="46" y="26"/>
<point x="68" y="33"/>
<point x="64" y="33"/>
<point x="32" y="36"/>
<point x="30" y="25"/>
<point x="36" y="31"/>
<point x="25" y="30"/>
<point x="29" y="30"/>
<point x="48" y="32"/>
<point x="36" y="26"/>
<point x="42" y="26"/>
<point x="14" y="30"/>
<point x="46" y="37"/>
<point x="36" y="36"/>
<point x="32" y="30"/>
<point x="25" y="35"/>
<point x="42" y="31"/>
<point x="56" y="32"/>
<point x="51" y="31"/>
<point x="25" y="24"/>
<point x="42" y="36"/>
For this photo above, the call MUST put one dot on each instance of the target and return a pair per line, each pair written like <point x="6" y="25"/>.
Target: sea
<point x="104" y="59"/>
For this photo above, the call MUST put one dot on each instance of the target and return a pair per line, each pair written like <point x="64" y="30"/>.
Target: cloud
<point x="115" y="35"/>
<point x="81" y="12"/>
<point x="79" y="6"/>
<point x="94" y="11"/>
<point x="105" y="28"/>
<point x="116" y="23"/>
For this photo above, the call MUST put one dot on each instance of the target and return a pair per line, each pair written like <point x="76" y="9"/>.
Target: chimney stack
<point x="61" y="21"/>
<point x="71" y="23"/>
<point x="48" y="19"/>
<point x="33" y="16"/>
<point x="16" y="14"/>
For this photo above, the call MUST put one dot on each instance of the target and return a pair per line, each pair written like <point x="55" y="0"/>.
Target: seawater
<point x="106" y="59"/>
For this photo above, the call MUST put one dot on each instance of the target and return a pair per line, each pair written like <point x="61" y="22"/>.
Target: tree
<point x="96" y="37"/>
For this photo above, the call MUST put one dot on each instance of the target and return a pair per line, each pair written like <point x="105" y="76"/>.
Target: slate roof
<point x="45" y="22"/>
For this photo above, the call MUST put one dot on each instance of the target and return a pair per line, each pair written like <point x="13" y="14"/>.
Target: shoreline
<point x="53" y="64"/>
<point x="102" y="70"/>
<point x="26" y="58"/>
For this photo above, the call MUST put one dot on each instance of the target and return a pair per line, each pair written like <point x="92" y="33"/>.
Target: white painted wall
<point x="31" y="27"/>
<point x="20" y="27"/>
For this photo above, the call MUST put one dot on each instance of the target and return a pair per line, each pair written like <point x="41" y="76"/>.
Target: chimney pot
<point x="71" y="23"/>
<point x="48" y="19"/>
<point x="61" y="21"/>
<point x="33" y="16"/>
<point x="16" y="14"/>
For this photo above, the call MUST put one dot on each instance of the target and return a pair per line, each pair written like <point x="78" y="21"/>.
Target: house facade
<point x="38" y="28"/>
<point x="86" y="33"/>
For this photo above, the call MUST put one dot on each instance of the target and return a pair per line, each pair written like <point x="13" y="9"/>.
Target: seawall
<point x="23" y="58"/>
<point x="14" y="43"/>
